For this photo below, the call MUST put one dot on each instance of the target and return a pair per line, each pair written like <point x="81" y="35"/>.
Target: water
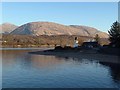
<point x="23" y="70"/>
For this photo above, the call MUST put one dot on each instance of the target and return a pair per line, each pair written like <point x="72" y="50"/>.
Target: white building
<point x="76" y="43"/>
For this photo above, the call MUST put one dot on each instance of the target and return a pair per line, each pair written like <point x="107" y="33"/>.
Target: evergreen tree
<point x="114" y="33"/>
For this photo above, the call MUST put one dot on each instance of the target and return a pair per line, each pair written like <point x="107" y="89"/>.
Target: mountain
<point x="7" y="28"/>
<point x="91" y="31"/>
<point x="50" y="28"/>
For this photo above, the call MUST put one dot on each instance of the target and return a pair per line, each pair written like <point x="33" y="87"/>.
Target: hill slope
<point x="7" y="28"/>
<point x="50" y="28"/>
<point x="91" y="31"/>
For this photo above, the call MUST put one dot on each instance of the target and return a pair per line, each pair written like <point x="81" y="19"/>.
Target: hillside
<point x="91" y="31"/>
<point x="50" y="28"/>
<point x="44" y="40"/>
<point x="7" y="28"/>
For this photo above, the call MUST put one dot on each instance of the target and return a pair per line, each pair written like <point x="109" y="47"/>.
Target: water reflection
<point x="22" y="57"/>
<point x="72" y="71"/>
<point x="11" y="58"/>
<point x="114" y="70"/>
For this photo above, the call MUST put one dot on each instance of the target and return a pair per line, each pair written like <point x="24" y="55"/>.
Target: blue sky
<point x="95" y="14"/>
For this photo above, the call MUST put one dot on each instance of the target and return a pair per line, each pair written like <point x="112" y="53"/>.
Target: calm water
<point x="21" y="70"/>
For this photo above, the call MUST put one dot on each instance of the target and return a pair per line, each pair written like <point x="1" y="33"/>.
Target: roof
<point x="90" y="43"/>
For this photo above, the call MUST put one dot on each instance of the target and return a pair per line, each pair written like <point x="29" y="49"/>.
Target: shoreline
<point x="80" y="55"/>
<point x="42" y="48"/>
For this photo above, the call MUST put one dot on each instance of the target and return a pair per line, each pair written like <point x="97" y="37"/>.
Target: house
<point x="90" y="45"/>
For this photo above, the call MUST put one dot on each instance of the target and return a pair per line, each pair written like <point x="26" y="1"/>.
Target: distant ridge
<point x="91" y="31"/>
<point x="50" y="28"/>
<point x="6" y="28"/>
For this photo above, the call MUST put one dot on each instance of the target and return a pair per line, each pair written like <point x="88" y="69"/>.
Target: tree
<point x="97" y="38"/>
<point x="114" y="33"/>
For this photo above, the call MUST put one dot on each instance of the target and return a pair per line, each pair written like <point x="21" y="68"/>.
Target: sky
<point x="100" y="15"/>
